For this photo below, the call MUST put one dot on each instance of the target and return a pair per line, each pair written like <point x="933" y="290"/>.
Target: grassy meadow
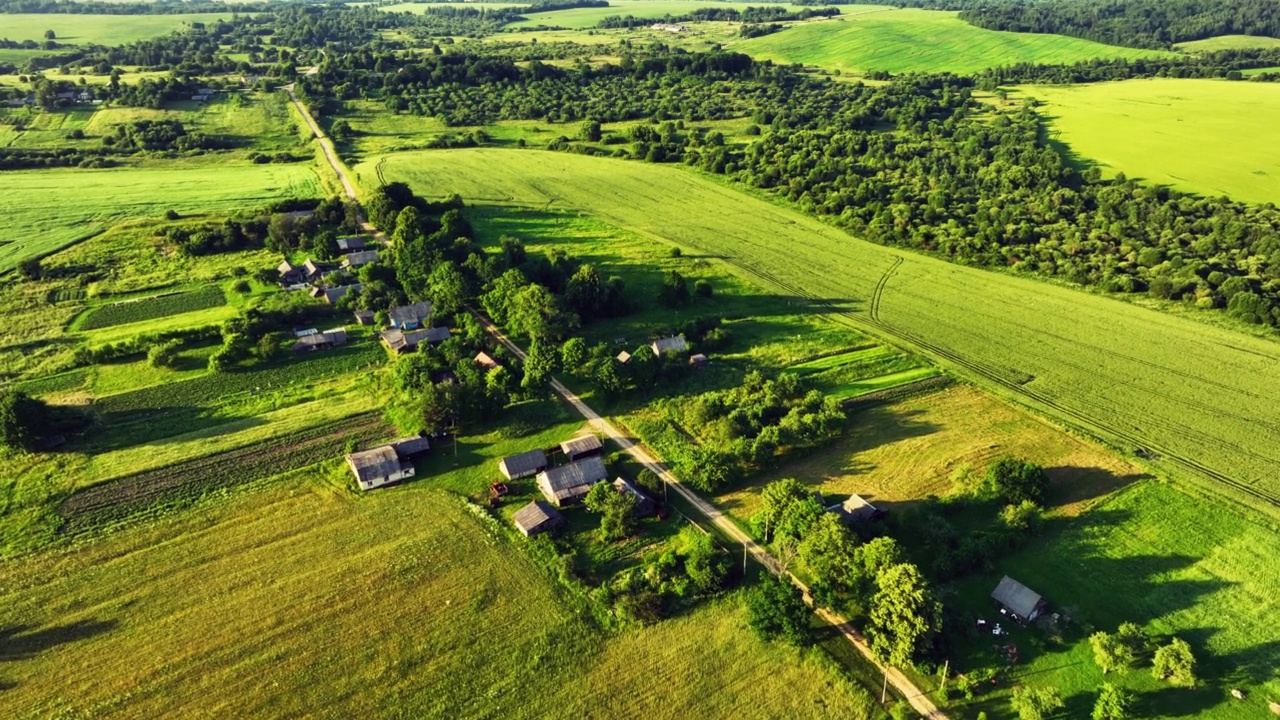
<point x="78" y="29"/>
<point x="1130" y="375"/>
<point x="1228" y="42"/>
<point x="912" y="40"/>
<point x="582" y="18"/>
<point x="1211" y="137"/>
<point x="51" y="209"/>
<point x="305" y="599"/>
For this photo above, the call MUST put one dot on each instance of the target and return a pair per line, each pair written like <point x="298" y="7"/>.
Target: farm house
<point x="410" y="317"/>
<point x="1018" y="600"/>
<point x="675" y="343"/>
<point x="526" y="464"/>
<point x="570" y="483"/>
<point x="386" y="464"/>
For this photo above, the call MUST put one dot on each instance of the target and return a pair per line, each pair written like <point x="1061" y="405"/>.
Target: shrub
<point x="702" y="288"/>
<point x="164" y="354"/>
<point x="1014" y="480"/>
<point x="775" y="609"/>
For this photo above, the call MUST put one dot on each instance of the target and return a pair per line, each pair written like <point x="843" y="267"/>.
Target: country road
<point x="907" y="689"/>
<point x="901" y="683"/>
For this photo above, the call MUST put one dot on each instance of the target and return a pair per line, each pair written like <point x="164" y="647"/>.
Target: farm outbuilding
<point x="856" y="509"/>
<point x="311" y="269"/>
<point x="402" y="341"/>
<point x="483" y="360"/>
<point x="526" y="464"/>
<point x="674" y="343"/>
<point x="351" y="244"/>
<point x="290" y="275"/>
<point x="333" y="295"/>
<point x="365" y="317"/>
<point x="645" y="505"/>
<point x="1023" y="603"/>
<point x="698" y="361"/>
<point x="537" y="517"/>
<point x="570" y="483"/>
<point x="314" y="340"/>
<point x="581" y="447"/>
<point x="624" y="357"/>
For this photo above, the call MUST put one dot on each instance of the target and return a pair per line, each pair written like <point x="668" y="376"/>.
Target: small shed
<point x="698" y="361"/>
<point x="402" y="341"/>
<point x="408" y="447"/>
<point x="537" y="517"/>
<point x="309" y="340"/>
<point x="856" y="509"/>
<point x="1023" y="603"/>
<point x="675" y="343"/>
<point x="435" y="336"/>
<point x="333" y="295"/>
<point x="645" y="505"/>
<point x="365" y="317"/>
<point x="624" y="357"/>
<point x="526" y="464"/>
<point x="483" y="360"/>
<point x="570" y="483"/>
<point x="581" y="447"/>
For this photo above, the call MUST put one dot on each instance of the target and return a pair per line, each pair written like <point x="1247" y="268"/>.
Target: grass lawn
<point x="918" y="41"/>
<point x="1211" y="137"/>
<point x="51" y="209"/>
<point x="305" y="599"/>
<point x="1134" y="376"/>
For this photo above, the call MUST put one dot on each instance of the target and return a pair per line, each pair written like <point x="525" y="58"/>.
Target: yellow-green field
<point x="575" y="18"/>
<point x="1229" y="42"/>
<point x="1196" y="397"/>
<point x="917" y="41"/>
<point x="49" y="209"/>
<point x="1211" y="137"/>
<point x="77" y="29"/>
<point x="304" y="599"/>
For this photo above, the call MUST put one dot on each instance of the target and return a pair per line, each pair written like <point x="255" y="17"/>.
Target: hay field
<point x="305" y="600"/>
<point x="50" y="209"/>
<point x="1211" y="137"/>
<point x="1228" y="42"/>
<point x="917" y="41"/>
<point x="582" y="18"/>
<point x="1198" y="399"/>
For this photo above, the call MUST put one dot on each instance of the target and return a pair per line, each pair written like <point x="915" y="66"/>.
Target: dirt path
<point x="901" y="683"/>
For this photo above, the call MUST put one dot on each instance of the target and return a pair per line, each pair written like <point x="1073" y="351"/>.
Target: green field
<point x="50" y="209"/>
<point x="77" y="29"/>
<point x="304" y="599"/>
<point x="150" y="308"/>
<point x="1210" y="137"/>
<point x="581" y="18"/>
<point x="1197" y="398"/>
<point x="917" y="41"/>
<point x="1229" y="42"/>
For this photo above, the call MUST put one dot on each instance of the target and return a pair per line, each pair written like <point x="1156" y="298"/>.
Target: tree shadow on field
<point x="1071" y="484"/>
<point x="23" y="642"/>
<point x="1175" y="701"/>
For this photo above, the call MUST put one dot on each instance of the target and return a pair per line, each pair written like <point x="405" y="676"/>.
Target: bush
<point x="775" y="609"/>
<point x="1014" y="481"/>
<point x="702" y="288"/>
<point x="1175" y="663"/>
<point x="164" y="354"/>
<point x="30" y="269"/>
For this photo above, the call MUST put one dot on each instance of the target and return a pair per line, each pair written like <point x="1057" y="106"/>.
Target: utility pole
<point x="884" y="690"/>
<point x="744" y="558"/>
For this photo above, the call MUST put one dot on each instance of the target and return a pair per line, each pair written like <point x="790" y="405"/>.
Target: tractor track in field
<point x="1075" y="418"/>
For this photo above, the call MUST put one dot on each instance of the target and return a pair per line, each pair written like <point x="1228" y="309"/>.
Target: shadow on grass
<point x="23" y="642"/>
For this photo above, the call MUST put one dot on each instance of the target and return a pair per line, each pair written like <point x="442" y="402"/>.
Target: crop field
<point x="917" y="41"/>
<point x="1196" y="398"/>
<point x="109" y="30"/>
<point x="150" y="308"/>
<point x="1208" y="137"/>
<point x="849" y="374"/>
<point x="303" y="598"/>
<point x="50" y="209"/>
<point x="1228" y="42"/>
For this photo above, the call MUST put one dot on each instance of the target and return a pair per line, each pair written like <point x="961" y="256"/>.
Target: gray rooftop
<point x="855" y="508"/>
<point x="674" y="343"/>
<point x="580" y="445"/>
<point x="364" y="257"/>
<point x="410" y="446"/>
<point x="1019" y="598"/>
<point x="415" y="313"/>
<point x="376" y="463"/>
<point x="533" y="515"/>
<point x="569" y="482"/>
<point x="524" y="463"/>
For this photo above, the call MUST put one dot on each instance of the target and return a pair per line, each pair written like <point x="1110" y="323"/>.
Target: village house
<point x="351" y="244"/>
<point x="357" y="260"/>
<point x="386" y="464"/>
<point x="581" y="447"/>
<point x="410" y="317"/>
<point x="855" y="509"/>
<point x="674" y="344"/>
<point x="570" y="483"/>
<point x="312" y="270"/>
<point x="1018" y="601"/>
<point x="332" y="295"/>
<point x="403" y="341"/>
<point x="312" y="339"/>
<point x="290" y="274"/>
<point x="645" y="505"/>
<point x="526" y="464"/>
<point x="537" y="517"/>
